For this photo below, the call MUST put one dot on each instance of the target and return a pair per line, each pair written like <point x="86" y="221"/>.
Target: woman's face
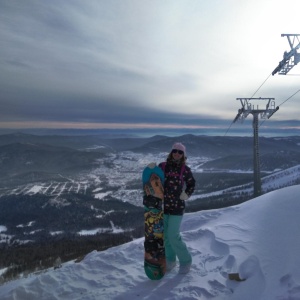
<point x="177" y="154"/>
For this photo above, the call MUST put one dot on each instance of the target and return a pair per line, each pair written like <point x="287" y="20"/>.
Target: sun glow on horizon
<point x="83" y="125"/>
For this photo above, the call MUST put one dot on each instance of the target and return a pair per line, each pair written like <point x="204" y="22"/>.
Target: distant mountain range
<point x="23" y="155"/>
<point x="214" y="145"/>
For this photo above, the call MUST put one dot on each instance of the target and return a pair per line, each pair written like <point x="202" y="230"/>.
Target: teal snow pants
<point x="174" y="246"/>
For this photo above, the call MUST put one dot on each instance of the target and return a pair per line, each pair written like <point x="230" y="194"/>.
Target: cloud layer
<point x="171" y="62"/>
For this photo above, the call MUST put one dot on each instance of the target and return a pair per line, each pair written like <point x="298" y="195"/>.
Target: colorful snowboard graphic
<point x="155" y="261"/>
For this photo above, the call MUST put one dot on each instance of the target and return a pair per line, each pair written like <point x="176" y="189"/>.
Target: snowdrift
<point x="258" y="239"/>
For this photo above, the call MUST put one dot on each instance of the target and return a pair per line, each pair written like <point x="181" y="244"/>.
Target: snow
<point x="3" y="228"/>
<point x="29" y="224"/>
<point x="113" y="229"/>
<point x="56" y="232"/>
<point x="35" y="189"/>
<point x="94" y="231"/>
<point x="101" y="196"/>
<point x="258" y="239"/>
<point x="2" y="271"/>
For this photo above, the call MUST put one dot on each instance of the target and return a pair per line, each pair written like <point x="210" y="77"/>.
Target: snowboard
<point x="154" y="257"/>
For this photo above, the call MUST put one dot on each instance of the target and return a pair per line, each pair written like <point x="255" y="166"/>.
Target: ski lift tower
<point x="266" y="113"/>
<point x="291" y="58"/>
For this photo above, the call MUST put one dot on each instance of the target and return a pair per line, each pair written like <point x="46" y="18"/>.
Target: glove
<point x="151" y="165"/>
<point x="184" y="196"/>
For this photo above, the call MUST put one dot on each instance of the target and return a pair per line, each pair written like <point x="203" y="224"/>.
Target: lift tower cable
<point x="248" y="108"/>
<point x="291" y="58"/>
<point x="281" y="104"/>
<point x="251" y="97"/>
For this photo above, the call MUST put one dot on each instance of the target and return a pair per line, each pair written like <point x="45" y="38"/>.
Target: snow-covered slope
<point x="258" y="239"/>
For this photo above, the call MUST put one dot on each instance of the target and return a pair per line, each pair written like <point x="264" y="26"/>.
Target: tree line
<point x="32" y="257"/>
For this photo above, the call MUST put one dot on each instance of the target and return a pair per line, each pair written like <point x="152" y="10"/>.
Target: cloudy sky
<point x="142" y="63"/>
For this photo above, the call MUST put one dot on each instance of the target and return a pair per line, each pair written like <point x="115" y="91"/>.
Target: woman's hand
<point x="184" y="196"/>
<point x="151" y="165"/>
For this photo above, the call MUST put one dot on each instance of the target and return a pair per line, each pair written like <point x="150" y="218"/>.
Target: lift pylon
<point x="291" y="58"/>
<point x="266" y="113"/>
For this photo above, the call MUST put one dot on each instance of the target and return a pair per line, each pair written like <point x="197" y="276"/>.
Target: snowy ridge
<point x="259" y="239"/>
<point x="279" y="179"/>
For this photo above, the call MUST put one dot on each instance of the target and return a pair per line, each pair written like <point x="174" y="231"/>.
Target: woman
<point x="178" y="186"/>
